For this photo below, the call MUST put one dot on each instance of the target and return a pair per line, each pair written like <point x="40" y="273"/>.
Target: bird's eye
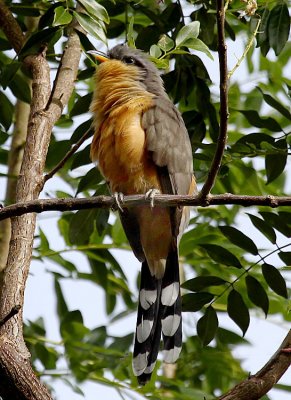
<point x="129" y="60"/>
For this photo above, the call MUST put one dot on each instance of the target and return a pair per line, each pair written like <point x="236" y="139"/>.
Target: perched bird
<point x="141" y="146"/>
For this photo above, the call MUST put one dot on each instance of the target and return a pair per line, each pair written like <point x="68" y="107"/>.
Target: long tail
<point x="159" y="311"/>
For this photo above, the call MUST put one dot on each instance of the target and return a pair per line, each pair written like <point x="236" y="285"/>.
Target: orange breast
<point x="119" y="144"/>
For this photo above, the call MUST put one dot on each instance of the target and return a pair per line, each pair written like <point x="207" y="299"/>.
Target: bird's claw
<point x="150" y="195"/>
<point x="119" y="199"/>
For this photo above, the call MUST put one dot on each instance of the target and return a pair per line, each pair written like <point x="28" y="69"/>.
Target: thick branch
<point x="222" y="138"/>
<point x="14" y="163"/>
<point x="256" y="386"/>
<point x="45" y="111"/>
<point x="39" y="206"/>
<point x="16" y="372"/>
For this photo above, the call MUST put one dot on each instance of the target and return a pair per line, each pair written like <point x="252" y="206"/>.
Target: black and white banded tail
<point x="159" y="312"/>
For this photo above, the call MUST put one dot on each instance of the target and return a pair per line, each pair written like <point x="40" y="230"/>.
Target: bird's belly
<point x="122" y="155"/>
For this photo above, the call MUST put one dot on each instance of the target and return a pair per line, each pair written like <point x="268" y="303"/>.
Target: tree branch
<point x="10" y="27"/>
<point x="70" y="204"/>
<point x="19" y="380"/>
<point x="256" y="386"/>
<point x="69" y="154"/>
<point x="222" y="138"/>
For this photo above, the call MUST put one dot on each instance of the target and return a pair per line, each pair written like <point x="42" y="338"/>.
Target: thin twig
<point x="69" y="154"/>
<point x="15" y="310"/>
<point x="222" y="138"/>
<point x="247" y="49"/>
<point x="70" y="204"/>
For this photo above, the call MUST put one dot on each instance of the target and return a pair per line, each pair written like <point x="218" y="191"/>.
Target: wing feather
<point x="168" y="141"/>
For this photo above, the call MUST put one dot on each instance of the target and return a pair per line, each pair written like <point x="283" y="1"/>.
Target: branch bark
<point x="70" y="204"/>
<point x="222" y="138"/>
<point x="256" y="386"/>
<point x="17" y="377"/>
<point x="14" y="164"/>
<point x="10" y="27"/>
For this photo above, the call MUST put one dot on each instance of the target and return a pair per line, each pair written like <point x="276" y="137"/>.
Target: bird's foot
<point x="150" y="195"/>
<point x="119" y="199"/>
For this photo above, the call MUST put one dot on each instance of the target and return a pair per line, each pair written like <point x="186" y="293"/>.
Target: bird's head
<point x="136" y="63"/>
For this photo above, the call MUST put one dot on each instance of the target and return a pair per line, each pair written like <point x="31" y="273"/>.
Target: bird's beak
<point x="101" y="57"/>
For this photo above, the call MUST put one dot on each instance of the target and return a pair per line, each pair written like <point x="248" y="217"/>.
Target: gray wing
<point x="168" y="140"/>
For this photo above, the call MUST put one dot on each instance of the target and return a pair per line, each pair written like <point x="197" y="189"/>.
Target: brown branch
<point x="256" y="386"/>
<point x="19" y="380"/>
<point x="222" y="138"/>
<point x="70" y="204"/>
<point x="69" y="154"/>
<point x="15" y="156"/>
<point x="10" y="27"/>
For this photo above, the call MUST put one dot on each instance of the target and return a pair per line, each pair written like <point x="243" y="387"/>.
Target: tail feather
<point x="148" y="326"/>
<point x="159" y="312"/>
<point x="172" y="309"/>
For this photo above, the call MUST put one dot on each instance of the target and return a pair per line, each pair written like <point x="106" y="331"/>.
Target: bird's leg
<point x="119" y="199"/>
<point x="150" y="195"/>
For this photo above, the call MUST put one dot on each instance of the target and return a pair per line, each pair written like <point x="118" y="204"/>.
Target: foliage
<point x="229" y="271"/>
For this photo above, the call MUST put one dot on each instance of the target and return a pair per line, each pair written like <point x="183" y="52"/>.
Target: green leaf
<point x="82" y="105"/>
<point x="275" y="104"/>
<point x="277" y="222"/>
<point x="198" y="45"/>
<point x="81" y="130"/>
<point x="62" y="308"/>
<point x="257" y="293"/>
<point x="20" y="88"/>
<point x="101" y="220"/>
<point x="33" y="45"/>
<point x="81" y="158"/>
<point x="285" y="257"/>
<point x="195" y="301"/>
<point x="201" y="282"/>
<point x="238" y="311"/>
<point x="72" y="327"/>
<point x="221" y="255"/>
<point x="263" y="227"/>
<point x="189" y="31"/>
<point x="255" y="120"/>
<point x="95" y="9"/>
<point x="62" y="16"/>
<point x="82" y="226"/>
<point x="90" y="180"/>
<point x="166" y="43"/>
<point x="239" y="239"/>
<point x="275" y="280"/>
<point x="278" y="27"/>
<point x="58" y="259"/>
<point x="91" y="26"/>
<point x="262" y="35"/>
<point x="207" y="326"/>
<point x="117" y="233"/>
<point x="155" y="51"/>
<point x="275" y="163"/>
<point x="130" y="33"/>
<point x="6" y="111"/>
<point x="8" y="73"/>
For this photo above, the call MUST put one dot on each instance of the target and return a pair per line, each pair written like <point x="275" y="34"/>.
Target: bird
<point x="141" y="146"/>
